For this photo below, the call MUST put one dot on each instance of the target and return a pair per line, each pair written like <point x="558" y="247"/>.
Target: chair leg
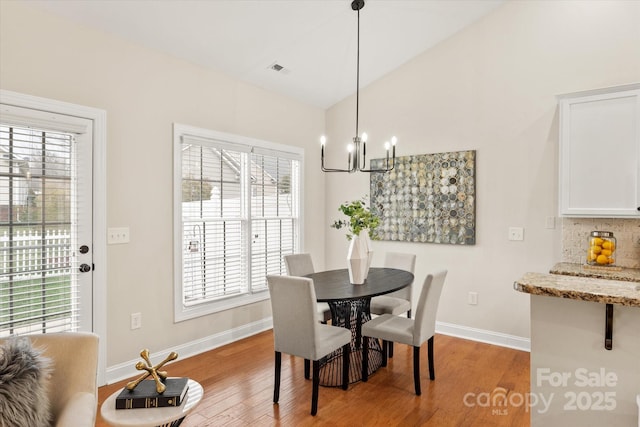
<point x="390" y="345"/>
<point x="385" y="349"/>
<point x="276" y="386"/>
<point x="307" y="368"/>
<point x="365" y="358"/>
<point x="316" y="387"/>
<point x="416" y="369"/>
<point x="409" y="314"/>
<point x="432" y="373"/>
<point x="346" y="358"/>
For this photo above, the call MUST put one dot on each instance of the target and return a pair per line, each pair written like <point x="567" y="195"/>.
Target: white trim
<point x="126" y="369"/>
<point x="485" y="336"/>
<point x="599" y="91"/>
<point x="233" y="139"/>
<point x="99" y="118"/>
<point x="28" y="118"/>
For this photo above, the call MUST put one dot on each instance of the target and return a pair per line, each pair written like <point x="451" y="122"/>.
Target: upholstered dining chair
<point x="301" y="265"/>
<point x="397" y="302"/>
<point x="297" y="332"/>
<point x="413" y="332"/>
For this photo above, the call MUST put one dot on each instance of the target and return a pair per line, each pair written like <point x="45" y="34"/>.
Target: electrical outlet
<point x="472" y="299"/>
<point x="118" y="236"/>
<point x="516" y="233"/>
<point x="136" y="321"/>
<point x="550" y="222"/>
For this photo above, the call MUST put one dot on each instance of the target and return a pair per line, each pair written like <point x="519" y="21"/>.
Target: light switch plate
<point x="118" y="236"/>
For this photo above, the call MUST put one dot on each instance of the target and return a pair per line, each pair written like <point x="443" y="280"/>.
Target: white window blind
<point x="273" y="215"/>
<point x="239" y="213"/>
<point x="37" y="292"/>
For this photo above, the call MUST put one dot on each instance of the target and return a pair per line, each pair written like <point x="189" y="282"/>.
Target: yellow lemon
<point x="606" y="244"/>
<point x="596" y="241"/>
<point x="606" y="252"/>
<point x="602" y="259"/>
<point x="596" y="249"/>
<point x="591" y="256"/>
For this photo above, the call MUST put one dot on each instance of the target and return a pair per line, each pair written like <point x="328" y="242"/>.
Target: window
<point x="237" y="213"/>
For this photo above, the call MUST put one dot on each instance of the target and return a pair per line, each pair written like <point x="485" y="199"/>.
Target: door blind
<point x="37" y="291"/>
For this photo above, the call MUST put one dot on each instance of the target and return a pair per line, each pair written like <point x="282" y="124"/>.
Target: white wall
<point x="491" y="88"/>
<point x="144" y="92"/>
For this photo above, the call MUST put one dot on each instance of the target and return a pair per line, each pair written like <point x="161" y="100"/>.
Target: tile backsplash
<point x="575" y="232"/>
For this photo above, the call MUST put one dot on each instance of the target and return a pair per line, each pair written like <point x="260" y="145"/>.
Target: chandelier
<point x="357" y="151"/>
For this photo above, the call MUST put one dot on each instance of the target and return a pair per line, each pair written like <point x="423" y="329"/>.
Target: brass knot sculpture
<point x="152" y="370"/>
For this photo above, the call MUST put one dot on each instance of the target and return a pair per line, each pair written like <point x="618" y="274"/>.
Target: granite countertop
<point x="611" y="273"/>
<point x="599" y="290"/>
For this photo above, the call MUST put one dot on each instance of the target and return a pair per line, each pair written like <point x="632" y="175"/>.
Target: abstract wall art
<point x="427" y="198"/>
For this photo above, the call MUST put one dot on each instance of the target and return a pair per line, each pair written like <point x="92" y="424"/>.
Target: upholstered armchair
<point x="72" y="381"/>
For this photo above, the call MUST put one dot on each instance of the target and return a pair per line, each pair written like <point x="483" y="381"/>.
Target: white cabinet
<point x="600" y="153"/>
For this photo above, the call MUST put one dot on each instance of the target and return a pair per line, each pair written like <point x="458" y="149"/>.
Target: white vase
<point x="364" y="235"/>
<point x="358" y="259"/>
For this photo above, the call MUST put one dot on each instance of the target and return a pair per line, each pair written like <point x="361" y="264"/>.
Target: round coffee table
<point x="170" y="416"/>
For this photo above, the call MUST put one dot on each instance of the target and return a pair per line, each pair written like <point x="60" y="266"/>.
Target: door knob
<point x="84" y="249"/>
<point x="84" y="268"/>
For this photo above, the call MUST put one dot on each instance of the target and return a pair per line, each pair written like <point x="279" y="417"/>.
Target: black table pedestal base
<point x="350" y="314"/>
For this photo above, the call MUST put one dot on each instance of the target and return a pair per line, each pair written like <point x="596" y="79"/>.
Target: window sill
<point x="183" y="313"/>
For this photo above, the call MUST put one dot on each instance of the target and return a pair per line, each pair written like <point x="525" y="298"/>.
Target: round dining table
<point x="350" y="308"/>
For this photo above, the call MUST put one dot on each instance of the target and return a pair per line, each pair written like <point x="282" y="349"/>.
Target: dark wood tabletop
<point x="334" y="285"/>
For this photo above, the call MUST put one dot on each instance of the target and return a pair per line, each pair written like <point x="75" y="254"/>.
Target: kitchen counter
<point x="581" y="288"/>
<point x="590" y="307"/>
<point x="596" y="272"/>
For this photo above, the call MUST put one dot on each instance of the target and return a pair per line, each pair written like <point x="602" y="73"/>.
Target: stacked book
<point x="145" y="394"/>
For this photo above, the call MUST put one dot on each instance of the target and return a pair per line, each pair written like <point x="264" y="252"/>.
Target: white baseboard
<point x="127" y="369"/>
<point x="483" y="335"/>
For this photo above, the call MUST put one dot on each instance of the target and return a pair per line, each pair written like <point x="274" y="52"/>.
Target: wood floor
<point x="471" y="382"/>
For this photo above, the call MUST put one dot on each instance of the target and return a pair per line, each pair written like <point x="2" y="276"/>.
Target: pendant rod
<point x="358" y="74"/>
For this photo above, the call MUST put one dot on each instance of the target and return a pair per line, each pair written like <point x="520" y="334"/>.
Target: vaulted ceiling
<point x="313" y="40"/>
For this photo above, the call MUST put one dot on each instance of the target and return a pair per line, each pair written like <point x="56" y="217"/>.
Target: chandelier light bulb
<point x="364" y="137"/>
<point x="387" y="146"/>
<point x="323" y="140"/>
<point x="394" y="140"/>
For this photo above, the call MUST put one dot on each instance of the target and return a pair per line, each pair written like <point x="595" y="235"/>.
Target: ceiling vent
<point x="278" y="68"/>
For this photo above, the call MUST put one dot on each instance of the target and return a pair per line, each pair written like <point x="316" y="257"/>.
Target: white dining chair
<point x="413" y="332"/>
<point x="301" y="265"/>
<point x="400" y="301"/>
<point x="297" y="332"/>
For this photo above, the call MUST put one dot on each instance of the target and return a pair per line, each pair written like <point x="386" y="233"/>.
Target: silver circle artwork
<point x="427" y="198"/>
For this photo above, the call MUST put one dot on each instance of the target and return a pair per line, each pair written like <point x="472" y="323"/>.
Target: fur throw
<point x="23" y="388"/>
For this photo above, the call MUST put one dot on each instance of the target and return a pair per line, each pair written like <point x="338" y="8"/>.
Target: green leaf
<point x="359" y="218"/>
